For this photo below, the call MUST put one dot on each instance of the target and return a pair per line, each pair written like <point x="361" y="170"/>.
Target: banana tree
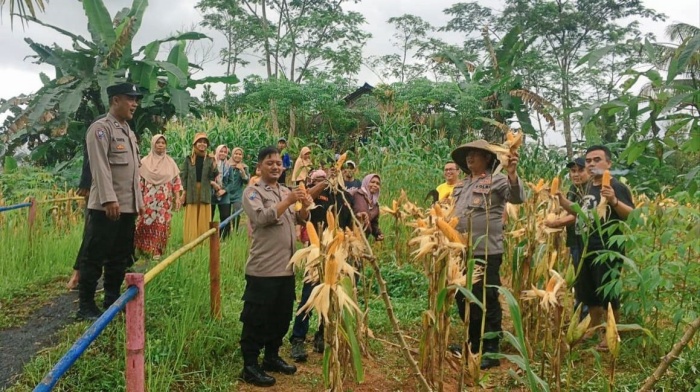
<point x="52" y="121"/>
<point x="500" y="89"/>
<point x="663" y="118"/>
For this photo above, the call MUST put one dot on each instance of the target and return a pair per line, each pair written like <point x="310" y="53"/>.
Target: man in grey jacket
<point x="115" y="200"/>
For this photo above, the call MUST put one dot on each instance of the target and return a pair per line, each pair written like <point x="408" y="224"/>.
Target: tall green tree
<point x="228" y="18"/>
<point x="565" y="30"/>
<point x="410" y="36"/>
<point x="561" y="32"/>
<point x="299" y="39"/>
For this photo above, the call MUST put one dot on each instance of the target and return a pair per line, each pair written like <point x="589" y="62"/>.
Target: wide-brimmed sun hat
<point x="459" y="154"/>
<point x="199" y="136"/>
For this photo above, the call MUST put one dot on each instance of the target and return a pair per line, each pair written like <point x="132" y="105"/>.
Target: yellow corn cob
<point x="341" y="160"/>
<point x="515" y="140"/>
<point x="453" y="222"/>
<point x="540" y="185"/>
<point x="606" y="178"/>
<point x="555" y="186"/>
<point x="449" y="232"/>
<point x="313" y="236"/>
<point x="330" y="219"/>
<point x="298" y="205"/>
<point x="437" y="210"/>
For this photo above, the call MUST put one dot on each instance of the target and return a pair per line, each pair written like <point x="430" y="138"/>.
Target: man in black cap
<point x="603" y="207"/>
<point x="286" y="160"/>
<point x="115" y="200"/>
<point x="349" y="170"/>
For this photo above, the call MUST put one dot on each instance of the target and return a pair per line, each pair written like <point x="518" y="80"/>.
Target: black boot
<point x="490" y="346"/>
<point x="110" y="298"/>
<point x="319" y="343"/>
<point x="298" y="350"/>
<point x="87" y="311"/>
<point x="277" y="364"/>
<point x="253" y="374"/>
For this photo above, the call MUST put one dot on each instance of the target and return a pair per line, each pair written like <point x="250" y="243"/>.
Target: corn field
<point x="544" y="335"/>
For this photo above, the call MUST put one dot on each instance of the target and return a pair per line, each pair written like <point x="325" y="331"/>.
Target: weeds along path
<point x="20" y="344"/>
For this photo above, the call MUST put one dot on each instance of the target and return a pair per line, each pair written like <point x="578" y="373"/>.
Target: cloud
<point x="164" y="17"/>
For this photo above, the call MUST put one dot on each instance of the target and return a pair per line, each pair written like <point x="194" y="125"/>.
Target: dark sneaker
<point x="299" y="351"/>
<point x="278" y="365"/>
<point x="319" y="344"/>
<point x="488" y="363"/>
<point x="253" y="374"/>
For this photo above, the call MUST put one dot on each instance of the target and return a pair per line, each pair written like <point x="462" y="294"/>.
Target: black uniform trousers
<point x="267" y="311"/>
<point x="494" y="313"/>
<point x="109" y="245"/>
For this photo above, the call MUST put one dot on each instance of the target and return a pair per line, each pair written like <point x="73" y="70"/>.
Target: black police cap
<point x="124" y="89"/>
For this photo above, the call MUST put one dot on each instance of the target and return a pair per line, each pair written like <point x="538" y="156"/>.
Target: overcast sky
<point x="164" y="17"/>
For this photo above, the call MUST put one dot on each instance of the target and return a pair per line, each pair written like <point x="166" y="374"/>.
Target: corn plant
<point x="326" y="261"/>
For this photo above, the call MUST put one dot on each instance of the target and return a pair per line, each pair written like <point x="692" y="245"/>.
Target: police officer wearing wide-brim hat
<point x="115" y="199"/>
<point x="480" y="201"/>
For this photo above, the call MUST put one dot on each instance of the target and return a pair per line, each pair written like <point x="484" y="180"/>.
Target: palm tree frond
<point x="681" y="31"/>
<point x="537" y="103"/>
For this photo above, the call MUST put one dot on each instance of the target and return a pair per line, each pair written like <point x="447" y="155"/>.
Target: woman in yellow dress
<point x="198" y="174"/>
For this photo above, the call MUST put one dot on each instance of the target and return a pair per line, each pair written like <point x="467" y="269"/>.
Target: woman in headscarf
<point x="302" y="166"/>
<point x="240" y="178"/>
<point x="366" y="205"/>
<point x="222" y="196"/>
<point x="198" y="176"/>
<point x="161" y="187"/>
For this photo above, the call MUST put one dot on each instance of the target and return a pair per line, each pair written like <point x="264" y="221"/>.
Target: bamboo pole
<point x="668" y="359"/>
<point x="170" y="259"/>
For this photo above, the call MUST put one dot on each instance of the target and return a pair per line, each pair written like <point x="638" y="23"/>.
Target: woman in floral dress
<point x="161" y="187"/>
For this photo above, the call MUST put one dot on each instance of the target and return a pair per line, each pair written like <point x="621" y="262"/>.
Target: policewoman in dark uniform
<point x="115" y="200"/>
<point x="479" y="204"/>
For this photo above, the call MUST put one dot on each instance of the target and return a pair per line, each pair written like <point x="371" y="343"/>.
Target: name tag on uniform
<point x="482" y="188"/>
<point x="120" y="147"/>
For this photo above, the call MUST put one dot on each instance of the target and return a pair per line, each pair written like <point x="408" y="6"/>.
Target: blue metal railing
<point x="79" y="347"/>
<point x="82" y="344"/>
<point x="14" y="207"/>
<point x="228" y="220"/>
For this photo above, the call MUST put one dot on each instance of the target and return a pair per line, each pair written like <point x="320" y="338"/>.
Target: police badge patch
<point x="253" y="195"/>
<point x="100" y="134"/>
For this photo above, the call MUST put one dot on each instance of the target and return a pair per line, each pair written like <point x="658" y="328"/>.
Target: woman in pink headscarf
<point x="366" y="205"/>
<point x="161" y="187"/>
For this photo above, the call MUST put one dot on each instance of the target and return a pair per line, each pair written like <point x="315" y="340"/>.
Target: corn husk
<point x="612" y="337"/>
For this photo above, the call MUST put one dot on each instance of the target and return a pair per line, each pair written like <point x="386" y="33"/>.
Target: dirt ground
<point x="20" y="344"/>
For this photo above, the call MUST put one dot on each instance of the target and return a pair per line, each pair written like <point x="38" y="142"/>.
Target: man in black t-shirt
<point x="597" y="272"/>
